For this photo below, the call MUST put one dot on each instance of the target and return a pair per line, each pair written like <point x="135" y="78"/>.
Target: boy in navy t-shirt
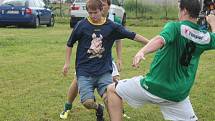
<point x="95" y="36"/>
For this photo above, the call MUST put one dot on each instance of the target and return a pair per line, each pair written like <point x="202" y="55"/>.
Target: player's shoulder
<point x="80" y="24"/>
<point x="83" y="21"/>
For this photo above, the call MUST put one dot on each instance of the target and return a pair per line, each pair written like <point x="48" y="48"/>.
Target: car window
<point x="14" y="2"/>
<point x="80" y="1"/>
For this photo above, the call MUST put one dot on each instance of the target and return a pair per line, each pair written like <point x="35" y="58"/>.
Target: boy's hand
<point x="138" y="57"/>
<point x="65" y="69"/>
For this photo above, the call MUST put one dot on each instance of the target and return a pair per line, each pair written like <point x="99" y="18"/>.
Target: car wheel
<point x="36" y="22"/>
<point x="51" y="22"/>
<point x="124" y="19"/>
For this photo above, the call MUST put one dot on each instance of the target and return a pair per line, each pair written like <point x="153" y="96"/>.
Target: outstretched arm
<point x="119" y="54"/>
<point x="211" y="21"/>
<point x="155" y="44"/>
<point x="67" y="60"/>
<point x="141" y="39"/>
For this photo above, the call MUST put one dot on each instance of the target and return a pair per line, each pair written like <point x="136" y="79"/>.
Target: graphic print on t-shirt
<point x="96" y="48"/>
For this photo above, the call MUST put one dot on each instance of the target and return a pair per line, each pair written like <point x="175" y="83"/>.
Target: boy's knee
<point x="111" y="87"/>
<point x="90" y="104"/>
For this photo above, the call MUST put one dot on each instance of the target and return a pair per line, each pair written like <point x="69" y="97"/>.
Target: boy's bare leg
<point x="91" y="104"/>
<point x="116" y="79"/>
<point x="114" y="104"/>
<point x="71" y="95"/>
<point x="72" y="92"/>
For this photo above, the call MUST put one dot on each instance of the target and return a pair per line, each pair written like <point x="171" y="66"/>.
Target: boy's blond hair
<point x="94" y="5"/>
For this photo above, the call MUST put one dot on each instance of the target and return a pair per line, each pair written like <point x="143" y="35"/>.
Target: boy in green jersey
<point x="172" y="72"/>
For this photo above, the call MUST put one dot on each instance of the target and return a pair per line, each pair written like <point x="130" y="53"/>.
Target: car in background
<point x="78" y="11"/>
<point x="25" y="13"/>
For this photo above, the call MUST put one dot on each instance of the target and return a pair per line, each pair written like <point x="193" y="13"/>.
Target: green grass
<point x="32" y="87"/>
<point x="146" y="11"/>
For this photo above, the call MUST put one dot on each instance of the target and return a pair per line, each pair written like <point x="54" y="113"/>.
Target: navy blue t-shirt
<point x="93" y="56"/>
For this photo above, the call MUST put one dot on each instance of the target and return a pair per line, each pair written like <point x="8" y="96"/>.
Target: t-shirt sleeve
<point x="169" y="32"/>
<point x="75" y="35"/>
<point x="121" y="32"/>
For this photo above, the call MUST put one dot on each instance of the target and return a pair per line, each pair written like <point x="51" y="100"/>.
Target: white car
<point x="78" y="11"/>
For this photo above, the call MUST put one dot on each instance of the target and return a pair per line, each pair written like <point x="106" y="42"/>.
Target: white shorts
<point x="115" y="70"/>
<point x="131" y="91"/>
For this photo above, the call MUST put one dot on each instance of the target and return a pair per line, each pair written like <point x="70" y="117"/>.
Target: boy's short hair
<point x="192" y="6"/>
<point x="94" y="5"/>
<point x="108" y="2"/>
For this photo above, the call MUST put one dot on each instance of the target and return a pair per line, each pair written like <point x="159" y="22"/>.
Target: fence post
<point x="165" y="8"/>
<point x="60" y="8"/>
<point x="136" y="8"/>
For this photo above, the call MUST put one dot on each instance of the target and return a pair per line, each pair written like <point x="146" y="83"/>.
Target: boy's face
<point x="105" y="7"/>
<point x="95" y="15"/>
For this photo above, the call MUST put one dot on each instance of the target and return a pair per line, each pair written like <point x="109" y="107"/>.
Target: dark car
<point x="25" y="12"/>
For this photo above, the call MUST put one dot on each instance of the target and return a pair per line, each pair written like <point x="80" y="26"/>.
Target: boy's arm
<point x="210" y="19"/>
<point x="155" y="44"/>
<point x="67" y="60"/>
<point x="119" y="54"/>
<point x="141" y="39"/>
<point x="75" y="35"/>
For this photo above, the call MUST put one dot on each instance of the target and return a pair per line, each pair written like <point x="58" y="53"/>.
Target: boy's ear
<point x="185" y="12"/>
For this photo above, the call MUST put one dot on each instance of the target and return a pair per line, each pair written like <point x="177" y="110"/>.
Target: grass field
<point x="32" y="87"/>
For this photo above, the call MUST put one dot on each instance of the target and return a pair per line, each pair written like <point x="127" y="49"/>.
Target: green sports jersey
<point x="168" y="78"/>
<point x="117" y="20"/>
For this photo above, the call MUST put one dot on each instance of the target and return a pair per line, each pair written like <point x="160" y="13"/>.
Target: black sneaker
<point x="99" y="113"/>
